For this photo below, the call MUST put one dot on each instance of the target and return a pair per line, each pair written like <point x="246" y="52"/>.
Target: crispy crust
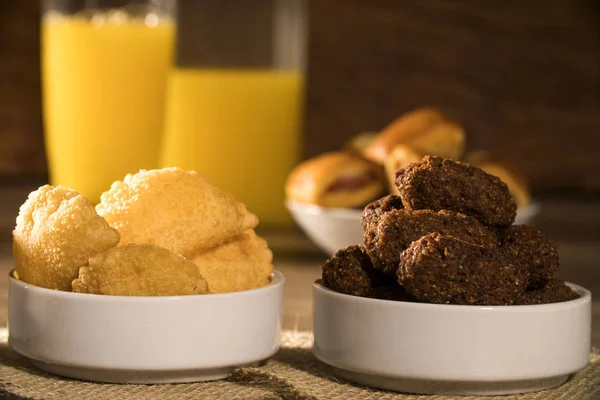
<point x="179" y="210"/>
<point x="517" y="184"/>
<point x="243" y="263"/>
<point x="310" y="181"/>
<point x="439" y="184"/>
<point x="554" y="291"/>
<point x="397" y="229"/>
<point x="377" y="208"/>
<point x="533" y="251"/>
<point x="350" y="271"/>
<point x="57" y="231"/>
<point x="446" y="270"/>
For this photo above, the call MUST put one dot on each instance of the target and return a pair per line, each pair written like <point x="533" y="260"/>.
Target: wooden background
<point x="522" y="76"/>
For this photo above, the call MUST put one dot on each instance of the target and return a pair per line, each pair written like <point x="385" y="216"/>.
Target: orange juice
<point x="240" y="128"/>
<point x="103" y="92"/>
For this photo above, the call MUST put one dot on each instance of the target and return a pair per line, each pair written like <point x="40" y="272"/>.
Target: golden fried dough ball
<point x="175" y="209"/>
<point x="57" y="231"/>
<point x="242" y="264"/>
<point x="139" y="270"/>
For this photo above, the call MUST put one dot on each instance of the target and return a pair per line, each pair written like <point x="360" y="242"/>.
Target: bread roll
<point x="336" y="179"/>
<point x="400" y="131"/>
<point x="360" y="142"/>
<point x="444" y="139"/>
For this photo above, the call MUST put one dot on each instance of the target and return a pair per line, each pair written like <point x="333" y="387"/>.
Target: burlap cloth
<point x="291" y="374"/>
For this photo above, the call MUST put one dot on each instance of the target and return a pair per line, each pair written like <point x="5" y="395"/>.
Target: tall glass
<point x="234" y="98"/>
<point x="104" y="66"/>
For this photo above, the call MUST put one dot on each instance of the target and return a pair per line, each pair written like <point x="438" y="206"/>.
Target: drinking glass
<point x="104" y="69"/>
<point x="235" y="96"/>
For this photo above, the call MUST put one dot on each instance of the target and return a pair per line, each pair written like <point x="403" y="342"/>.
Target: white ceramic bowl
<point x="329" y="228"/>
<point x="334" y="228"/>
<point x="526" y="214"/>
<point x="451" y="349"/>
<point x="144" y="339"/>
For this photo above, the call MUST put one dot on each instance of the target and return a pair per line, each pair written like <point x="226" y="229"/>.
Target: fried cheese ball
<point x="139" y="270"/>
<point x="533" y="251"/>
<point x="242" y="264"/>
<point x="57" y="231"/>
<point x="175" y="209"/>
<point x="446" y="270"/>
<point x="377" y="208"/>
<point x="435" y="183"/>
<point x="553" y="291"/>
<point x="397" y="229"/>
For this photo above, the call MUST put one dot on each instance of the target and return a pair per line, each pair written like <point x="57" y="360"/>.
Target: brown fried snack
<point x="376" y="209"/>
<point x="435" y="183"/>
<point x="392" y="291"/>
<point x="554" y="291"/>
<point x="533" y="251"/>
<point x="446" y="270"/>
<point x="516" y="182"/>
<point x="397" y="229"/>
<point x="350" y="271"/>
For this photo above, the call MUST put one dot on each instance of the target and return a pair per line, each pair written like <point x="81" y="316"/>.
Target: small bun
<point x="400" y="131"/>
<point x="360" y="142"/>
<point x="444" y="139"/>
<point x="336" y="179"/>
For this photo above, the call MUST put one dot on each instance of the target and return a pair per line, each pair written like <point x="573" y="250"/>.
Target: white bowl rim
<point x="314" y="209"/>
<point x="277" y="279"/>
<point x="585" y="296"/>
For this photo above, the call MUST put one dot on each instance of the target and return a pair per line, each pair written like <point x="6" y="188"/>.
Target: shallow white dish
<point x="451" y="349"/>
<point x="144" y="339"/>
<point x="329" y="228"/>
<point x="334" y="228"/>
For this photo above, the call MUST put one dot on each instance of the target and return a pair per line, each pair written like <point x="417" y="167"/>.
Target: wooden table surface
<point x="573" y="223"/>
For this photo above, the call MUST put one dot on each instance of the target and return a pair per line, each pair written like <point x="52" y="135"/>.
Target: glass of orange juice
<point x="104" y="69"/>
<point x="235" y="96"/>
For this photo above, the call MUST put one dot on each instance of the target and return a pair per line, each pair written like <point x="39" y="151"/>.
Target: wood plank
<point x="522" y="76"/>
